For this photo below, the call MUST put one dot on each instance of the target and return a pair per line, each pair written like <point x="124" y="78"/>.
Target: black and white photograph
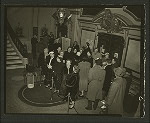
<point x="78" y="60"/>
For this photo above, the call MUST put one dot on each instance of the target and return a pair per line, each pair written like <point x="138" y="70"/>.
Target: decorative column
<point x="96" y="37"/>
<point x="126" y="32"/>
<point x="76" y="29"/>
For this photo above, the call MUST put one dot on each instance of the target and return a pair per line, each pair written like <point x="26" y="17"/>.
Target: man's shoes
<point x="88" y="108"/>
<point x="71" y="105"/>
<point x="82" y="94"/>
<point x="94" y="106"/>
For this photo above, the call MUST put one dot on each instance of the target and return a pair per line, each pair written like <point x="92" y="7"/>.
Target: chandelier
<point x="61" y="16"/>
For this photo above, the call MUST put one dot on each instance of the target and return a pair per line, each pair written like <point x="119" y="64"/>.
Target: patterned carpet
<point x="39" y="96"/>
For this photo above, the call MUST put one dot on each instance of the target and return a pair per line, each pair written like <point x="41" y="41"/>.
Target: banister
<point x="21" y="47"/>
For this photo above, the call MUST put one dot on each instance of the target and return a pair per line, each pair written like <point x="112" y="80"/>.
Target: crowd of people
<point x="81" y="72"/>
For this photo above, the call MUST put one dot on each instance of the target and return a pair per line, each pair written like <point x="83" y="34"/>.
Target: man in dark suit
<point x="49" y="77"/>
<point x="33" y="43"/>
<point x="51" y="41"/>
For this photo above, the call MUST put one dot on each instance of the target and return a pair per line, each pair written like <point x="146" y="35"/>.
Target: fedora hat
<point x="119" y="71"/>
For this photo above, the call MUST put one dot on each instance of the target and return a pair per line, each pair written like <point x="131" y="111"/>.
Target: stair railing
<point x="21" y="47"/>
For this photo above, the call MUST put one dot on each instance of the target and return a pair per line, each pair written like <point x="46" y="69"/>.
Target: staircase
<point x="13" y="60"/>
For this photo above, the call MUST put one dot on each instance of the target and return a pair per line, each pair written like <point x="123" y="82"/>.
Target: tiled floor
<point x="15" y="105"/>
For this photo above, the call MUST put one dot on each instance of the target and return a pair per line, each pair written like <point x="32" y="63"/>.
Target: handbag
<point x="70" y="80"/>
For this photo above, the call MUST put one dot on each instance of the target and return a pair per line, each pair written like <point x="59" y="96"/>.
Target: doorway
<point x="112" y="44"/>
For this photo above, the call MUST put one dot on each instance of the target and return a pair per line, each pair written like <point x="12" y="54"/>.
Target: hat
<point x="51" y="52"/>
<point x="78" y="53"/>
<point x="98" y="61"/>
<point x="119" y="71"/>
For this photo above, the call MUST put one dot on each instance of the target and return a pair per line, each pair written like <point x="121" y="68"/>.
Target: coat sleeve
<point x="112" y="92"/>
<point x="47" y="59"/>
<point x="103" y="78"/>
<point x="90" y="76"/>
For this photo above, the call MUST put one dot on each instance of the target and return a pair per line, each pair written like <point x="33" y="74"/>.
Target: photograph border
<point x="73" y="118"/>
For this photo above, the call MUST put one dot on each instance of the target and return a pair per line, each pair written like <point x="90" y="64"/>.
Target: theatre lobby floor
<point x="15" y="105"/>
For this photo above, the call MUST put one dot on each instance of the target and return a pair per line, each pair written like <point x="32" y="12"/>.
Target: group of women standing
<point x="81" y="71"/>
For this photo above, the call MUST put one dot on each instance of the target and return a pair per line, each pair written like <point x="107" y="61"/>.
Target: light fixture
<point x="61" y="16"/>
<point x="61" y="12"/>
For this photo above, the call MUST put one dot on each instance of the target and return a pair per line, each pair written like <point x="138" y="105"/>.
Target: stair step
<point x="12" y="57"/>
<point x="13" y="62"/>
<point x="11" y="53"/>
<point x="10" y="49"/>
<point x="14" y="67"/>
<point x="8" y="41"/>
<point x="9" y="45"/>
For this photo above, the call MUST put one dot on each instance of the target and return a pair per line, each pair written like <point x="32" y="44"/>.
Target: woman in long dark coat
<point x="96" y="79"/>
<point x="68" y="69"/>
<point x="58" y="70"/>
<point x="72" y="84"/>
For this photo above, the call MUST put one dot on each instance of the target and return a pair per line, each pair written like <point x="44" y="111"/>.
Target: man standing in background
<point x="51" y="42"/>
<point x="33" y="43"/>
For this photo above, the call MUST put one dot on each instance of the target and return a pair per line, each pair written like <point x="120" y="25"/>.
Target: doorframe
<point x="112" y="34"/>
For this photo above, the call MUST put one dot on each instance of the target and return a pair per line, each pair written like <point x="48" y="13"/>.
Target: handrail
<point x="21" y="47"/>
